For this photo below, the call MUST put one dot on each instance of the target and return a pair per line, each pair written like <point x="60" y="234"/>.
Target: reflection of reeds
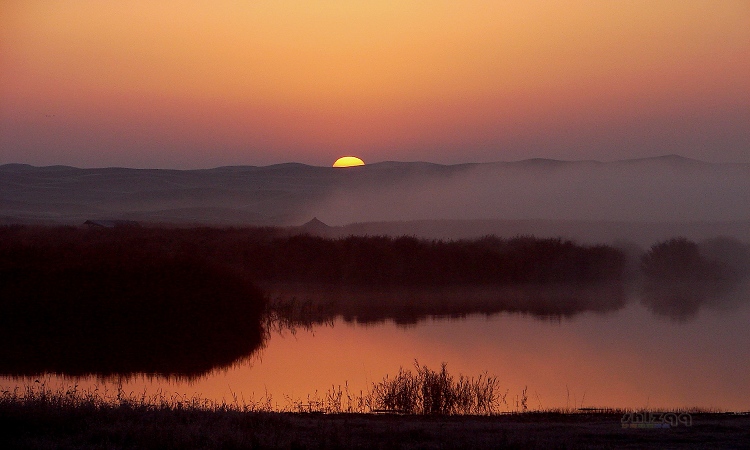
<point x="284" y="314"/>
<point x="305" y="305"/>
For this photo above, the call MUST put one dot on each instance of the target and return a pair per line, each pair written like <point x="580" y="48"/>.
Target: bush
<point x="680" y="259"/>
<point x="431" y="392"/>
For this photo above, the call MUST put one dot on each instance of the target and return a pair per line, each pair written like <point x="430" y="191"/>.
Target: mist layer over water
<point x="661" y="189"/>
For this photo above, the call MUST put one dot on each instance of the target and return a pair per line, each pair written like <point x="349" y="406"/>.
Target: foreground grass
<point x="37" y="418"/>
<point x="415" y="409"/>
<point x="423" y="392"/>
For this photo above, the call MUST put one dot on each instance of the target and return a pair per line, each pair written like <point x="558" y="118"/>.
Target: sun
<point x="348" y="161"/>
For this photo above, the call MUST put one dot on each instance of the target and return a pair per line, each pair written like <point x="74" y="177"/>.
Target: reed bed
<point x="38" y="416"/>
<point x="436" y="412"/>
<point x="426" y="391"/>
<point x="38" y="394"/>
<point x="420" y="392"/>
<point x="423" y="391"/>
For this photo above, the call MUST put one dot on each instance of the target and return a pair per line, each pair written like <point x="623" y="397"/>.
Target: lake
<point x="629" y="357"/>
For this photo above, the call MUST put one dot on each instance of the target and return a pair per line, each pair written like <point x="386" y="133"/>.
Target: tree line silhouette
<point x="408" y="261"/>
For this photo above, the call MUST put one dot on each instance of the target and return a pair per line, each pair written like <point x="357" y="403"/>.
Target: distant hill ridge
<point x="668" y="188"/>
<point x="671" y="158"/>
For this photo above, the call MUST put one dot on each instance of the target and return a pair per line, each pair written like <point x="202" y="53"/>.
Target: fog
<point x="668" y="189"/>
<point x="642" y="200"/>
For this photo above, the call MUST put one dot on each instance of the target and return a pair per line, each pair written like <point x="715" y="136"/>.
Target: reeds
<point x="423" y="392"/>
<point x="37" y="416"/>
<point x="39" y="395"/>
<point x="437" y="392"/>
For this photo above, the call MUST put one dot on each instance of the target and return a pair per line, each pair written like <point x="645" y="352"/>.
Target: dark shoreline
<point x="38" y="417"/>
<point x="42" y="424"/>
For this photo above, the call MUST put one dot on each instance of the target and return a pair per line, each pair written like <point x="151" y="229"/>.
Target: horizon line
<point x="673" y="156"/>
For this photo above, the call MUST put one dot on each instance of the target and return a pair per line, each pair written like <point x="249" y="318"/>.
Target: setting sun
<point x="348" y="161"/>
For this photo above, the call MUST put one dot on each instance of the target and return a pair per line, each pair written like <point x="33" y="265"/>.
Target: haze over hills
<point x="414" y="197"/>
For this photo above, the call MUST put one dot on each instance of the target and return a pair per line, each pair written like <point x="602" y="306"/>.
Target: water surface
<point x="627" y="358"/>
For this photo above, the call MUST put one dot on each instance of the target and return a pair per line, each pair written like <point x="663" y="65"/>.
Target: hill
<point x="668" y="189"/>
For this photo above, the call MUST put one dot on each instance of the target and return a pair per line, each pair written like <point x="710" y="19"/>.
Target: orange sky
<point x="198" y="83"/>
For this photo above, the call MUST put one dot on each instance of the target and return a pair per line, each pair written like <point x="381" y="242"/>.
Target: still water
<point x="627" y="358"/>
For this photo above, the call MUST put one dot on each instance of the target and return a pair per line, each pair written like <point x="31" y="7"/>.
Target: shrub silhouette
<point x="680" y="259"/>
<point x="680" y="279"/>
<point x="731" y="253"/>
<point x="432" y="392"/>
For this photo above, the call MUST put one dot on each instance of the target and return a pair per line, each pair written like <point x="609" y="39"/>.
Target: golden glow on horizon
<point x="348" y="161"/>
<point x="320" y="77"/>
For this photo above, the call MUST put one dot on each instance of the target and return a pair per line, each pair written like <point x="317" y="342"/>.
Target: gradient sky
<point x="193" y="84"/>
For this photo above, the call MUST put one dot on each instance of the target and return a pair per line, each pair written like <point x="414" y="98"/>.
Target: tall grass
<point x="39" y="395"/>
<point x="422" y="392"/>
<point x="427" y="391"/>
<point x="39" y="417"/>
